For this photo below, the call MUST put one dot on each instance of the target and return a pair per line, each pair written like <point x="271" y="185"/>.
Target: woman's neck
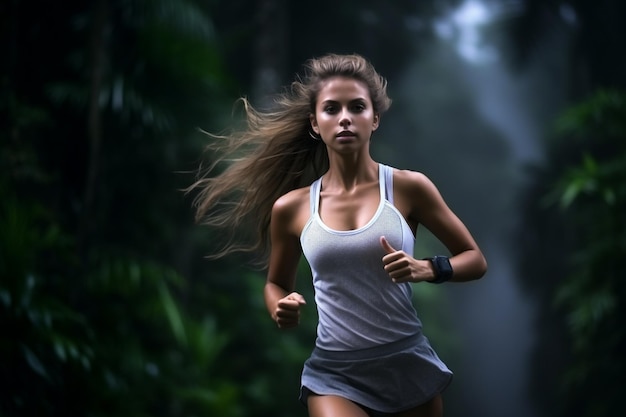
<point x="348" y="172"/>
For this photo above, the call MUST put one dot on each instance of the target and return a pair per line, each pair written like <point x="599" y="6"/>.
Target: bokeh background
<point x="108" y="307"/>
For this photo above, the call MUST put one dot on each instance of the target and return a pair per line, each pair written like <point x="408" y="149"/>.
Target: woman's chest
<point x="349" y="210"/>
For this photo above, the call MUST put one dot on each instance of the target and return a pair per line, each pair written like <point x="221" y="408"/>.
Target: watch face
<point x="443" y="267"/>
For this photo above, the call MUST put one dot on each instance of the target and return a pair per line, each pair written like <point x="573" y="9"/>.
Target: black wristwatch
<point x="442" y="267"/>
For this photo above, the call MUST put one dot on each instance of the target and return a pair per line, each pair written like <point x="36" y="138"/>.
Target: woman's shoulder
<point x="293" y="197"/>
<point x="292" y="210"/>
<point x="291" y="203"/>
<point x="415" y="191"/>
<point x="405" y="179"/>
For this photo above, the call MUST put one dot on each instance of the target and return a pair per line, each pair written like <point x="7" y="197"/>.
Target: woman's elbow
<point x="481" y="267"/>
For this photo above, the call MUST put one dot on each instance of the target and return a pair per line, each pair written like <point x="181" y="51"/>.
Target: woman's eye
<point x="333" y="109"/>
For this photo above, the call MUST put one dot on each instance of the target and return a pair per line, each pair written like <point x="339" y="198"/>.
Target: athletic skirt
<point x="390" y="378"/>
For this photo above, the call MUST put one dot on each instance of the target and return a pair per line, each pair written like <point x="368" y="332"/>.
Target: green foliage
<point x="107" y="338"/>
<point x="48" y="337"/>
<point x="110" y="309"/>
<point x="592" y="195"/>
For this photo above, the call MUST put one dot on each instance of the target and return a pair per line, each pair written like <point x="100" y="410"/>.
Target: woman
<point x="355" y="225"/>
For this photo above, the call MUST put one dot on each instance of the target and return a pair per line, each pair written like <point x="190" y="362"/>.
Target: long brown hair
<point x="274" y="154"/>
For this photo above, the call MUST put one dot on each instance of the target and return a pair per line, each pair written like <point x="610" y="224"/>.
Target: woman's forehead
<point x="341" y="86"/>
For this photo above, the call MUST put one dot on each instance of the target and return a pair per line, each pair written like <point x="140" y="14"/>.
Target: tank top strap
<point x="386" y="182"/>
<point x="314" y="195"/>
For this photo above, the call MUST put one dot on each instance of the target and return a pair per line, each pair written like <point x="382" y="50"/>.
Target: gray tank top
<point x="358" y="305"/>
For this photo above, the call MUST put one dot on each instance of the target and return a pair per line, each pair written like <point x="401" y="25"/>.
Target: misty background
<point x="514" y="108"/>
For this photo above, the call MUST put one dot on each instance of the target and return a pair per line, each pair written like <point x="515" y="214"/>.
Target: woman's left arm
<point x="427" y="207"/>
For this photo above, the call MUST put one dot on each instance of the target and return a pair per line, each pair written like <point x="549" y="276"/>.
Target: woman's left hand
<point x="402" y="267"/>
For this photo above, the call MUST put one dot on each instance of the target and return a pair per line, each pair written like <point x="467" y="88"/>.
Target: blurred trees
<point x="592" y="194"/>
<point x="575" y="241"/>
<point x="101" y="310"/>
<point x="574" y="235"/>
<point x="107" y="306"/>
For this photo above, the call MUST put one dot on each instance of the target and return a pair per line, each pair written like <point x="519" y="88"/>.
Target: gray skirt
<point x="390" y="378"/>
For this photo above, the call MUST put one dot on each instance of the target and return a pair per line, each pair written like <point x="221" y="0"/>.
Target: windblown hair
<point x="280" y="155"/>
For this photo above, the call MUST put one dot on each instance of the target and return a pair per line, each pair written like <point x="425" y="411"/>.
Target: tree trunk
<point x="94" y="118"/>
<point x="270" y="50"/>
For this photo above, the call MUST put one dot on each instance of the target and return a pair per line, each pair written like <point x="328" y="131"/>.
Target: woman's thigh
<point x="433" y="408"/>
<point x="333" y="406"/>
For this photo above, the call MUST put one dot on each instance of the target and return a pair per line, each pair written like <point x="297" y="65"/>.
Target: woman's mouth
<point x="345" y="133"/>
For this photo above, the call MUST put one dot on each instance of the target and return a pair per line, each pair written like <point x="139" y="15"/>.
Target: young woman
<point x="356" y="225"/>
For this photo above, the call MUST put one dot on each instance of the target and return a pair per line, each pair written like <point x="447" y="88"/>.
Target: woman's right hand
<point x="287" y="313"/>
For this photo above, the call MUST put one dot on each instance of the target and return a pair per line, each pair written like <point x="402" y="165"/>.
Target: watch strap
<point x="442" y="268"/>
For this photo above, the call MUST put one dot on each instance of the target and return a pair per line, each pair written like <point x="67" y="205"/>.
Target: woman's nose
<point x="344" y="120"/>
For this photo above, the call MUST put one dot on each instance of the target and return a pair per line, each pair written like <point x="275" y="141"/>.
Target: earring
<point x="314" y="135"/>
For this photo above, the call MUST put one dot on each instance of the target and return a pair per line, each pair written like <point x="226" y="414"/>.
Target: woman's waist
<point x="374" y="351"/>
<point x="360" y="332"/>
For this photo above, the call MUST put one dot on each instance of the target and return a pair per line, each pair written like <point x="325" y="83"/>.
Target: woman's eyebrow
<point x="332" y="101"/>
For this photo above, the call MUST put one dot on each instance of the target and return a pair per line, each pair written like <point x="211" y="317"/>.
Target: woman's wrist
<point x="442" y="269"/>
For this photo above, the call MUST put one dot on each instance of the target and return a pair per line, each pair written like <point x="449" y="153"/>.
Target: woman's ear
<point x="314" y="125"/>
<point x="376" y="121"/>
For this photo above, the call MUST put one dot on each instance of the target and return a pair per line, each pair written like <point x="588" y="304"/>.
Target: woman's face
<point x="344" y="115"/>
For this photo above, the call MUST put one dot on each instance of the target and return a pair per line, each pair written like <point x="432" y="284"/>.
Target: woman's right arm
<point x="282" y="302"/>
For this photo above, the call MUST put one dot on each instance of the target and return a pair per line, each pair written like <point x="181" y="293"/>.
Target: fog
<point x="473" y="124"/>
